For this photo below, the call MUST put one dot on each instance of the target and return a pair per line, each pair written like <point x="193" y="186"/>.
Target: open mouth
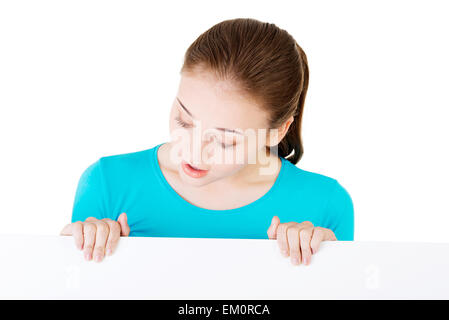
<point x="195" y="168"/>
<point x="192" y="171"/>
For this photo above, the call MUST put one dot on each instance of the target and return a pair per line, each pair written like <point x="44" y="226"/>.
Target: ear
<point x="274" y="139"/>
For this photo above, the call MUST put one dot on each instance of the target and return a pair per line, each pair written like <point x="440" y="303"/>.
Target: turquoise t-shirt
<point x="134" y="183"/>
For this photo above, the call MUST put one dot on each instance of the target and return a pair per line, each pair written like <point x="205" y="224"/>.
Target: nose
<point x="202" y="152"/>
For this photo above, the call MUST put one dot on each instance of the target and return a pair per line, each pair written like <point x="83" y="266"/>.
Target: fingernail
<point x="88" y="256"/>
<point x="305" y="260"/>
<point x="108" y="251"/>
<point x="295" y="260"/>
<point x="97" y="258"/>
<point x="284" y="253"/>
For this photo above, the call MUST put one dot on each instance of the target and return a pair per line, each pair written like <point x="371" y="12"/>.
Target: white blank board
<point x="50" y="267"/>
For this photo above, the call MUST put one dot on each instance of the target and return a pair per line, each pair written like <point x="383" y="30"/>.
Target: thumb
<point x="67" y="230"/>
<point x="123" y="221"/>
<point x="273" y="227"/>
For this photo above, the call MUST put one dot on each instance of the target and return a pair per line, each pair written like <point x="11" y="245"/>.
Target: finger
<point x="114" y="236"/>
<point x="123" y="221"/>
<point x="320" y="234"/>
<point x="273" y="227"/>
<point x="317" y="236"/>
<point x="89" y="230"/>
<point x="305" y="235"/>
<point x="100" y="240"/>
<point x="293" y="244"/>
<point x="281" y="236"/>
<point x="67" y="230"/>
<point x="77" y="232"/>
<point x="330" y="235"/>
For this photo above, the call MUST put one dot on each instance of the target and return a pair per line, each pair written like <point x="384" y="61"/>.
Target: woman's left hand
<point x="299" y="240"/>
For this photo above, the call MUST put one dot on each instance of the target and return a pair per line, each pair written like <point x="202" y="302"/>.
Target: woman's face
<point x="215" y="128"/>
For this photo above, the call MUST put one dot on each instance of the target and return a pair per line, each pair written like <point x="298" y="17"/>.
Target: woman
<point x="229" y="170"/>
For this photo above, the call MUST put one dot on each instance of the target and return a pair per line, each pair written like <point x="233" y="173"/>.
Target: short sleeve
<point x="89" y="197"/>
<point x="341" y="210"/>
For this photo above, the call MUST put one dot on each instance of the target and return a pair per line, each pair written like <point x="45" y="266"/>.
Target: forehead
<point x="219" y="103"/>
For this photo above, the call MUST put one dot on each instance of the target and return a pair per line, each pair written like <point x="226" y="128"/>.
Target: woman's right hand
<point x="97" y="237"/>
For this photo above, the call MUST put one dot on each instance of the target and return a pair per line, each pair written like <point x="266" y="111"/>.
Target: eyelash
<point x="186" y="125"/>
<point x="182" y="123"/>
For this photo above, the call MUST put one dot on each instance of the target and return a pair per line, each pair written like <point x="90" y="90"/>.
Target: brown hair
<point x="266" y="63"/>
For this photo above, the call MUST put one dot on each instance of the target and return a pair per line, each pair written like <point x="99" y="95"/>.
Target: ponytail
<point x="292" y="141"/>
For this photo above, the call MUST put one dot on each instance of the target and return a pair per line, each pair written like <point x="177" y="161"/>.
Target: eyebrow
<point x="222" y="129"/>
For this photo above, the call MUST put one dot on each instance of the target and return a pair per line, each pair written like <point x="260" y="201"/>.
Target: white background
<point x="84" y="79"/>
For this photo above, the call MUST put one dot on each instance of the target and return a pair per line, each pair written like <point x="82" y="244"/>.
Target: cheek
<point x="178" y="135"/>
<point x="172" y="121"/>
<point x="226" y="157"/>
<point x="225" y="170"/>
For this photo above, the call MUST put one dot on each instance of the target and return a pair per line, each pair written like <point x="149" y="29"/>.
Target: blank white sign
<point x="50" y="267"/>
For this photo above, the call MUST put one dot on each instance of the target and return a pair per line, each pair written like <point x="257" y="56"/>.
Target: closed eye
<point x="182" y="123"/>
<point x="186" y="125"/>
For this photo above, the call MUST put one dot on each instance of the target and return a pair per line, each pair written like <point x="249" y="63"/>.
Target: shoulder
<point x="117" y="170"/>
<point x="125" y="160"/>
<point x="325" y="196"/>
<point x="316" y="188"/>
<point x="298" y="179"/>
<point x="125" y="165"/>
<point x="111" y="183"/>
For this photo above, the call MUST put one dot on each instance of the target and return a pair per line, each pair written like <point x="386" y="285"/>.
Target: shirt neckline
<point x="175" y="195"/>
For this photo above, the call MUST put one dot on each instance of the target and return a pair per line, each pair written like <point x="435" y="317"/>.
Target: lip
<point x="193" y="172"/>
